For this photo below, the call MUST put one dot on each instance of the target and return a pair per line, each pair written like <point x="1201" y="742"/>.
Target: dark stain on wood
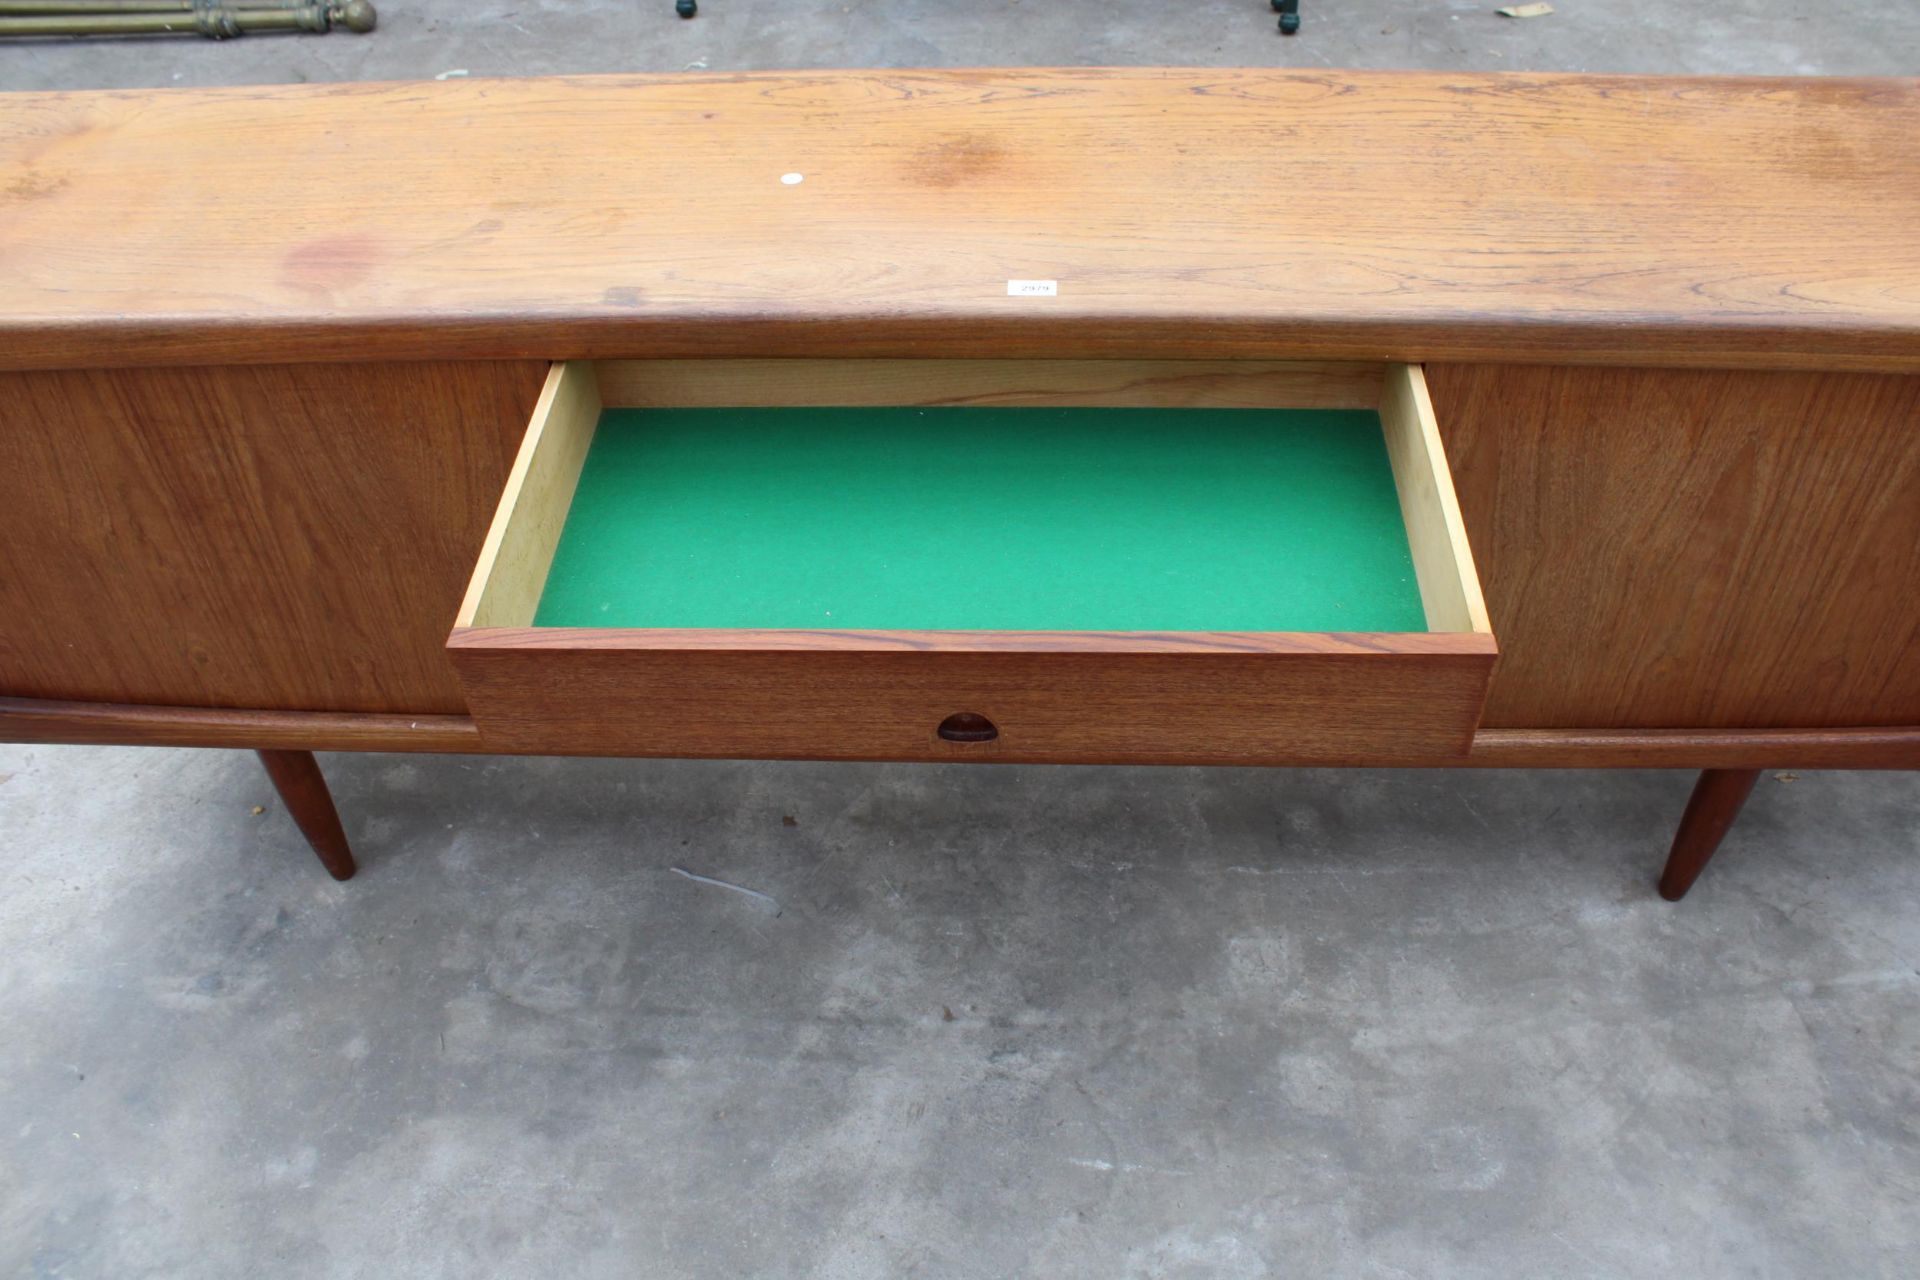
<point x="35" y="185"/>
<point x="331" y="262"/>
<point x="956" y="160"/>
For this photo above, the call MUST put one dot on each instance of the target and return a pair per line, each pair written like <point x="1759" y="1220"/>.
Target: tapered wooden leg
<point x="296" y="776"/>
<point x="1715" y="803"/>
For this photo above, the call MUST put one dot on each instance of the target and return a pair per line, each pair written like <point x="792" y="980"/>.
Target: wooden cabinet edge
<point x="34" y="720"/>
<point x="121" y="724"/>
<point x="197" y="342"/>
<point x="1896" y="747"/>
<point x="1418" y="646"/>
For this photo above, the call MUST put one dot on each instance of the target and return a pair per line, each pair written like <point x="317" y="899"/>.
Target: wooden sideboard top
<point x="1404" y="216"/>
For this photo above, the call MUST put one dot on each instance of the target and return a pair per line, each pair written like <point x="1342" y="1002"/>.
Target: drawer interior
<point x="1099" y="496"/>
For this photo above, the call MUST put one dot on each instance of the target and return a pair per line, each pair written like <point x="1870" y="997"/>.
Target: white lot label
<point x="1033" y="288"/>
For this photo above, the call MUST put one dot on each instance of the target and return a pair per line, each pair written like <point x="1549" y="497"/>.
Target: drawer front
<point x="1075" y="698"/>
<point x="1015" y="696"/>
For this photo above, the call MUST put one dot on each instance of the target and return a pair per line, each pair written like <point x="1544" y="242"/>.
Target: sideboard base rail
<point x="119" y="724"/>
<point x="124" y="724"/>
<point x="1730" y="759"/>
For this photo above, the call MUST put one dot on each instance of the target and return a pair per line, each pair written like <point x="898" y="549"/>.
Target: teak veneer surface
<point x="1208" y="213"/>
<point x="270" y="537"/>
<point x="1669" y="548"/>
<point x="1124" y="698"/>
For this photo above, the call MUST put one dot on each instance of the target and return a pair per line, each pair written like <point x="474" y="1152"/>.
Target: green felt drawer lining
<point x="984" y="518"/>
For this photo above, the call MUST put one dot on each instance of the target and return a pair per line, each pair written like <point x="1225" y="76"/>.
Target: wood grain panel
<point x="266" y="537"/>
<point x="1198" y="384"/>
<point x="1209" y="213"/>
<point x="1692" y="549"/>
<point x="1056" y="697"/>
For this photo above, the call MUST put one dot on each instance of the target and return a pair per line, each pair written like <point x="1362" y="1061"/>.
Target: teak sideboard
<point x="1149" y="416"/>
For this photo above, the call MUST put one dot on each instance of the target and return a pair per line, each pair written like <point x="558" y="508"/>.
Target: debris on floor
<point x="722" y="884"/>
<point x="1525" y="11"/>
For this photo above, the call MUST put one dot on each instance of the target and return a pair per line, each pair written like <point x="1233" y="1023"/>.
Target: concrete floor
<point x="1050" y="1022"/>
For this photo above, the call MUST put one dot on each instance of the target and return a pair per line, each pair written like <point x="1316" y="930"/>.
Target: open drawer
<point x="1154" y="562"/>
